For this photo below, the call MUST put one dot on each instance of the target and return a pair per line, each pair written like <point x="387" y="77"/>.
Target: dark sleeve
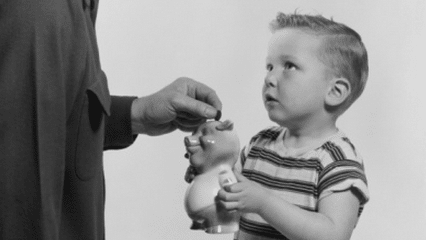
<point x="118" y="127"/>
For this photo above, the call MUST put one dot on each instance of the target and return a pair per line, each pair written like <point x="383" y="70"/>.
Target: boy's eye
<point x="289" y="66"/>
<point x="269" y="67"/>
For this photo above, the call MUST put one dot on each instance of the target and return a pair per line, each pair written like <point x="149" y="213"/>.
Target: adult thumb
<point x="195" y="107"/>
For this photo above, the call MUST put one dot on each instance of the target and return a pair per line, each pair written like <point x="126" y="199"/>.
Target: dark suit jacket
<point x="56" y="117"/>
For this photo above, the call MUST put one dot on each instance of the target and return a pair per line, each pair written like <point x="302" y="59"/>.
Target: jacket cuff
<point x="118" y="126"/>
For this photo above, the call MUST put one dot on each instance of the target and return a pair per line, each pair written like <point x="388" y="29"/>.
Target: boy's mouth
<point x="269" y="98"/>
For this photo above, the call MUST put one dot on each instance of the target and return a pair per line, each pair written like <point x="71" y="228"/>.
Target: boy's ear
<point x="339" y="89"/>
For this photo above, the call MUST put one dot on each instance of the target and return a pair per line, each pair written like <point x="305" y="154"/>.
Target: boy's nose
<point x="270" y="81"/>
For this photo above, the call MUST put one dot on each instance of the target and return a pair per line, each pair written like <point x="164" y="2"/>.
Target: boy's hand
<point x="244" y="196"/>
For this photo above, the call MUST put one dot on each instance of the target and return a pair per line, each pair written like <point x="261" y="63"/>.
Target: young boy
<point x="304" y="179"/>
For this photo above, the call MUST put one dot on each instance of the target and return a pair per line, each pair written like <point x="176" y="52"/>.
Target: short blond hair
<point x="343" y="51"/>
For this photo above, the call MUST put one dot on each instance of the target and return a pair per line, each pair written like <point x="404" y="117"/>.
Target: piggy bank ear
<point x="225" y="125"/>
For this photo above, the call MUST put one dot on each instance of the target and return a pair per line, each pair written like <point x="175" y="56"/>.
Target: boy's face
<point x="296" y="80"/>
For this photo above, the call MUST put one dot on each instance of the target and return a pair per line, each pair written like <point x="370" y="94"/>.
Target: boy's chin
<point x="275" y="117"/>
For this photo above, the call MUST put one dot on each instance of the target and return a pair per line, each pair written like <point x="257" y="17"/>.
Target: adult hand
<point x="184" y="104"/>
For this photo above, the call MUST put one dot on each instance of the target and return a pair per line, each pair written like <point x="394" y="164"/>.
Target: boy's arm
<point x="336" y="217"/>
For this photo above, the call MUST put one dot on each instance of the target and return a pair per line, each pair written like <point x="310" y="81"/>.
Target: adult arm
<point x="118" y="128"/>
<point x="184" y="104"/>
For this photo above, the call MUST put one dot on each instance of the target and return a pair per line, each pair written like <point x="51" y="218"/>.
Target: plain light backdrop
<point x="145" y="45"/>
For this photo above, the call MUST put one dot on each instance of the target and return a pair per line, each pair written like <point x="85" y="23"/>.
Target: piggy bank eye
<point x="206" y="131"/>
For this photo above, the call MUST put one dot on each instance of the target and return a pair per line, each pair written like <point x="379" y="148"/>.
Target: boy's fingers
<point x="229" y="205"/>
<point x="222" y="195"/>
<point x="226" y="195"/>
<point x="226" y="200"/>
<point x="233" y="188"/>
<point x="228" y="188"/>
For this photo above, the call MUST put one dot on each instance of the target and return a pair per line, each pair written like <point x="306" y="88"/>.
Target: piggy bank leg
<point x="197" y="225"/>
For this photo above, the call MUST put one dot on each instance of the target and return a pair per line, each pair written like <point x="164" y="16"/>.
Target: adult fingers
<point x="188" y="125"/>
<point x="204" y="93"/>
<point x="194" y="107"/>
<point x="210" y="98"/>
<point x="185" y="115"/>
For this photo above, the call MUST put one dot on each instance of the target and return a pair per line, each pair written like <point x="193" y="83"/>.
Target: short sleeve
<point x="241" y="160"/>
<point x="344" y="175"/>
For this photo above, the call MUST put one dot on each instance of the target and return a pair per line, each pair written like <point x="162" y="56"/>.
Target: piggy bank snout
<point x="191" y="141"/>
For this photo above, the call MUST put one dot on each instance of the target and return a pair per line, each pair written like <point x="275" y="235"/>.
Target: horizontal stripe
<point x="339" y="177"/>
<point x="271" y="133"/>
<point x="341" y="164"/>
<point x="260" y="229"/>
<point x="269" y="168"/>
<point x="267" y="155"/>
<point x="300" y="178"/>
<point x="307" y="188"/>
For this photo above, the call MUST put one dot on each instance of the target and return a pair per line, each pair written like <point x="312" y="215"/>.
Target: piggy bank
<point x="212" y="150"/>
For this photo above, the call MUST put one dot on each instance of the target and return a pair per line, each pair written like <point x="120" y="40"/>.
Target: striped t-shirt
<point x="301" y="177"/>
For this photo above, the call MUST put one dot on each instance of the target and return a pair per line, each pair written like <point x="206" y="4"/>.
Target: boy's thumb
<point x="240" y="177"/>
